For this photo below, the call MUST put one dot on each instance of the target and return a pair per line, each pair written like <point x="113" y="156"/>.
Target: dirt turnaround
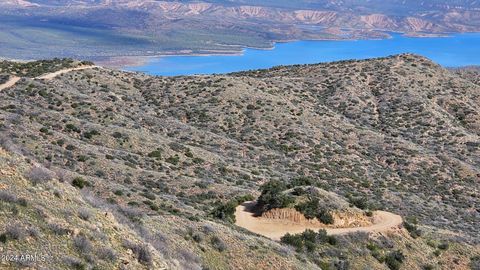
<point x="275" y="229"/>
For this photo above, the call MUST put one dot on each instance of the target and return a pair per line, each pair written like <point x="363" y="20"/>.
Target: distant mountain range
<point x="96" y="29"/>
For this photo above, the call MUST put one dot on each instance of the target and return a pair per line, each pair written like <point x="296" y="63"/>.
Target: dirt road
<point x="50" y="76"/>
<point x="11" y="82"/>
<point x="275" y="229"/>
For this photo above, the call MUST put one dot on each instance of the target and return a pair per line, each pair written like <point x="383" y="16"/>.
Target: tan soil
<point x="276" y="228"/>
<point x="11" y="82"/>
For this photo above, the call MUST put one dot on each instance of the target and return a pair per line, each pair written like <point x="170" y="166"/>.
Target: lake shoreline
<point x="140" y="60"/>
<point x="132" y="62"/>
<point x="449" y="50"/>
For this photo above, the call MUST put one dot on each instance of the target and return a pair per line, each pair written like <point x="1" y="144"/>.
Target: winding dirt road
<point x="11" y="82"/>
<point x="50" y="76"/>
<point x="275" y="229"/>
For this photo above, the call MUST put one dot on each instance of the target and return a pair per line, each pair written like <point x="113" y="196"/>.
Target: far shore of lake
<point x="452" y="50"/>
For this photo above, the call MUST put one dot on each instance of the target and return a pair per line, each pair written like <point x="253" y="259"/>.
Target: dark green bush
<point x="72" y="127"/>
<point x="273" y="197"/>
<point x="443" y="246"/>
<point x="301" y="181"/>
<point x="308" y="240"/>
<point x="173" y="160"/>
<point x="90" y="134"/>
<point x="394" y="259"/>
<point x="412" y="229"/>
<point x="79" y="182"/>
<point x="226" y="211"/>
<point x="312" y="209"/>
<point x="155" y="154"/>
<point x="325" y="217"/>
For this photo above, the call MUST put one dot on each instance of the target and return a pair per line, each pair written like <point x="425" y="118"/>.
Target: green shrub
<point x="325" y="217"/>
<point x="273" y="197"/>
<point x="72" y="127"/>
<point x="79" y="182"/>
<point x="226" y="211"/>
<point x="90" y="134"/>
<point x="309" y="208"/>
<point x="149" y="195"/>
<point x="117" y="135"/>
<point x="301" y="181"/>
<point x="376" y="252"/>
<point x="189" y="154"/>
<point x="359" y="202"/>
<point x="312" y="209"/>
<point x="295" y="241"/>
<point x="155" y="154"/>
<point x="412" y="229"/>
<point x="394" y="259"/>
<point x="3" y="238"/>
<point x="443" y="246"/>
<point x="308" y="240"/>
<point x="173" y="160"/>
<point x="428" y="267"/>
<point x="197" y="160"/>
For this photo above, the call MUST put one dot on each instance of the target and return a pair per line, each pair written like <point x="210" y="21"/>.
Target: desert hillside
<point x="104" y="169"/>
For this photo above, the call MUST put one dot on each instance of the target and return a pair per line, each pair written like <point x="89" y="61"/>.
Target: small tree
<point x="273" y="197"/>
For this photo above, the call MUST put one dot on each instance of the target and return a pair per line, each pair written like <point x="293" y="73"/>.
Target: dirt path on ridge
<point x="50" y="76"/>
<point x="11" y="82"/>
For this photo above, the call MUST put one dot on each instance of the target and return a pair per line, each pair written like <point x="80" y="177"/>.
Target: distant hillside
<point x="115" y="169"/>
<point x="470" y="73"/>
<point x="97" y="29"/>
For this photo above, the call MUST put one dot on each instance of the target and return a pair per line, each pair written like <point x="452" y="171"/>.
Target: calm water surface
<point x="453" y="51"/>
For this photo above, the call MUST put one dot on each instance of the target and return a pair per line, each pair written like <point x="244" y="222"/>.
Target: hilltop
<point x="131" y="171"/>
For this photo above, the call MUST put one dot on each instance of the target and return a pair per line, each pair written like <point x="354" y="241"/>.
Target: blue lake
<point x="456" y="50"/>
